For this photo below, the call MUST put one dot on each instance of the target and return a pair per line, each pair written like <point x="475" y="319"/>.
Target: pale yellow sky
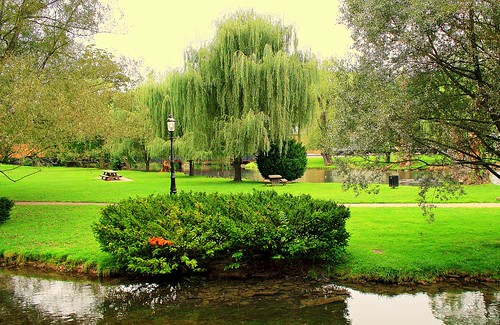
<point x="158" y="31"/>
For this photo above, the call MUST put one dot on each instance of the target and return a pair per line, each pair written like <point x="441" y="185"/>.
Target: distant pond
<point x="310" y="175"/>
<point x="51" y="299"/>
<point x="315" y="175"/>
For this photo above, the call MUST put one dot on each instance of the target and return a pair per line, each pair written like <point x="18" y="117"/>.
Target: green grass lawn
<point x="386" y="243"/>
<point x="396" y="244"/>
<point x="53" y="234"/>
<point x="84" y="185"/>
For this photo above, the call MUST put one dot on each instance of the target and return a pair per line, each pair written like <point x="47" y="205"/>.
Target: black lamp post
<point x="171" y="129"/>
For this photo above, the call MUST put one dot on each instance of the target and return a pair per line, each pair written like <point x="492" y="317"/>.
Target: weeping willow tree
<point x="172" y="96"/>
<point x="247" y="89"/>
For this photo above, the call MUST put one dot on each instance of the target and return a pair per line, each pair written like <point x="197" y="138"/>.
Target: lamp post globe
<point x="171" y="129"/>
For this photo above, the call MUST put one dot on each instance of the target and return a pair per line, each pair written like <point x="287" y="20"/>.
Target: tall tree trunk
<point x="147" y="160"/>
<point x="327" y="159"/>
<point x="191" y="168"/>
<point x="237" y="169"/>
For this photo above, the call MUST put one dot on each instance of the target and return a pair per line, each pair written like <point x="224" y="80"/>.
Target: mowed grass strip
<point x="386" y="244"/>
<point x="397" y="244"/>
<point x="84" y="185"/>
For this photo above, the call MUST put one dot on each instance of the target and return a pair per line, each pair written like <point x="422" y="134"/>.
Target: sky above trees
<point x="158" y="32"/>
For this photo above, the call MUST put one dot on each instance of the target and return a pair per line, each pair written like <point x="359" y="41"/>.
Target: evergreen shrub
<point x="5" y="207"/>
<point x="290" y="162"/>
<point x="191" y="231"/>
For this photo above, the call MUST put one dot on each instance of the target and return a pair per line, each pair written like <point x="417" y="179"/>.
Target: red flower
<point x="159" y="241"/>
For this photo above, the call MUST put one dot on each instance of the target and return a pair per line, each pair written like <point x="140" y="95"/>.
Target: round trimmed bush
<point x="290" y="163"/>
<point x="192" y="232"/>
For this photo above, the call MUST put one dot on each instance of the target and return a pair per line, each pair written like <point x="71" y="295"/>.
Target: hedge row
<point x="189" y="231"/>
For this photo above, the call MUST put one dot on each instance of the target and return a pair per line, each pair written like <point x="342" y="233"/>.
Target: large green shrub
<point x="192" y="231"/>
<point x="290" y="162"/>
<point x="5" y="207"/>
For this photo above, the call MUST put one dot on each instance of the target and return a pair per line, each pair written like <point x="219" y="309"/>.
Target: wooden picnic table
<point x="110" y="175"/>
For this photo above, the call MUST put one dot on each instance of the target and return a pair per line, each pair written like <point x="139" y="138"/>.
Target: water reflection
<point x="310" y="175"/>
<point x="36" y="300"/>
<point x="369" y="308"/>
<point x="467" y="308"/>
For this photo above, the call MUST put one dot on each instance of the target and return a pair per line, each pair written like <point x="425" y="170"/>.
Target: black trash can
<point x="393" y="181"/>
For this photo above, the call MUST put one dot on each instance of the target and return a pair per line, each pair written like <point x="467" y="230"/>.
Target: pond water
<point x="40" y="299"/>
<point x="310" y="175"/>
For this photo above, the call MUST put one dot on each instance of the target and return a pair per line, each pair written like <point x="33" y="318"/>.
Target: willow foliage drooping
<point x="172" y="96"/>
<point x="248" y="88"/>
<point x="155" y="97"/>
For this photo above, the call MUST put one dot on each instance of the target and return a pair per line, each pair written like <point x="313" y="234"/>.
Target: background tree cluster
<point x="55" y="92"/>
<point x="426" y="79"/>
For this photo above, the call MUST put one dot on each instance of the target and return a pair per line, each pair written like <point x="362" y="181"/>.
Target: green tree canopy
<point x="444" y="55"/>
<point x="47" y="109"/>
<point x="246" y="89"/>
<point x="54" y="91"/>
<point x="44" y="29"/>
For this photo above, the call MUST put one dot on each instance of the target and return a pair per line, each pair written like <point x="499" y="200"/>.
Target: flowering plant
<point x="160" y="241"/>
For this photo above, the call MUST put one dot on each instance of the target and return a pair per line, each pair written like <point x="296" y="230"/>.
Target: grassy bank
<point x="396" y="245"/>
<point x="58" y="235"/>
<point x="386" y="244"/>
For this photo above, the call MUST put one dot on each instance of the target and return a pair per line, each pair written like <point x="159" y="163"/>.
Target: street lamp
<point x="171" y="129"/>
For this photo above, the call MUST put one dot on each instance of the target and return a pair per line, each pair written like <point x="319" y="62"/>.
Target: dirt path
<point x="361" y="205"/>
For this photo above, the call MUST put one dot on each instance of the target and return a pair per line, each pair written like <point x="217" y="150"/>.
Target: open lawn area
<point x="386" y="244"/>
<point x="84" y="185"/>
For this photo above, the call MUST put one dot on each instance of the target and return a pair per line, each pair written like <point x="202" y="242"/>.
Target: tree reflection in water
<point x="41" y="300"/>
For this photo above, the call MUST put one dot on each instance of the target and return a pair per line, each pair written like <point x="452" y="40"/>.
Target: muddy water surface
<point x="43" y="299"/>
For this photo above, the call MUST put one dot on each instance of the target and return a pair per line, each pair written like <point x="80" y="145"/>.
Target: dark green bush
<point x="290" y="163"/>
<point x="5" y="207"/>
<point x="192" y="231"/>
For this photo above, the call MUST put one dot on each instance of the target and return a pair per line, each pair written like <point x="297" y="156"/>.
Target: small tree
<point x="290" y="162"/>
<point x="5" y="207"/>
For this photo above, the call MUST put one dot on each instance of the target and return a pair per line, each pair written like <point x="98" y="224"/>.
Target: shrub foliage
<point x="290" y="162"/>
<point x="5" y="207"/>
<point x="191" y="231"/>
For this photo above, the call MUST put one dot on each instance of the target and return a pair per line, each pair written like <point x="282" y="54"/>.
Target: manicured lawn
<point x="386" y="243"/>
<point x="52" y="234"/>
<point x="84" y="185"/>
<point x="397" y="244"/>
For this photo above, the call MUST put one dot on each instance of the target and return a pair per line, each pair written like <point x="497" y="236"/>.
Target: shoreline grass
<point x="387" y="244"/>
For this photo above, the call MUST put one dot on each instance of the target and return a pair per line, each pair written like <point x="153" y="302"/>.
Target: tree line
<point x="424" y="79"/>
